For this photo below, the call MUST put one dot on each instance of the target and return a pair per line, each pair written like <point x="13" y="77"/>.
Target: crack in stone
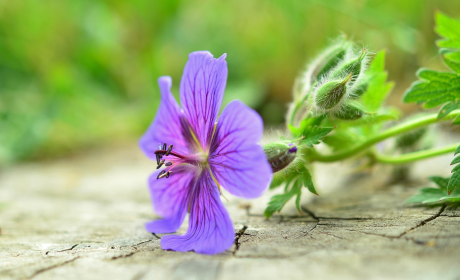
<point x="63" y="250"/>
<point x="419" y="242"/>
<point x="422" y="223"/>
<point x="237" y="238"/>
<point x="51" y="267"/>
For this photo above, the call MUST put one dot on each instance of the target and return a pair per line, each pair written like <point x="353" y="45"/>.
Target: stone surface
<point x="83" y="218"/>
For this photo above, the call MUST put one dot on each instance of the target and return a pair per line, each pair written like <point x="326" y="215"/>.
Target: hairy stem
<point x="410" y="157"/>
<point x="395" y="130"/>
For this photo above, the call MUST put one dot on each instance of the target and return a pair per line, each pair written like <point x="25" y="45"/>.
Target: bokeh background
<point x="76" y="75"/>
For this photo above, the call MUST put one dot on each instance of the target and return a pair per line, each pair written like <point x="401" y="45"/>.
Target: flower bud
<point x="280" y="155"/>
<point x="352" y="66"/>
<point x="333" y="58"/>
<point x="350" y="111"/>
<point x="329" y="95"/>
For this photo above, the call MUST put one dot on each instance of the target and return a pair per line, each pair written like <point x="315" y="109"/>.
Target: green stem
<point x="398" y="129"/>
<point x="410" y="157"/>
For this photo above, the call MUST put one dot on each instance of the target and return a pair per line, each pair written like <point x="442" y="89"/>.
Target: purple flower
<point x="201" y="154"/>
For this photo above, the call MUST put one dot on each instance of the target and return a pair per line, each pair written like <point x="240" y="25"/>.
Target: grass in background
<point x="83" y="73"/>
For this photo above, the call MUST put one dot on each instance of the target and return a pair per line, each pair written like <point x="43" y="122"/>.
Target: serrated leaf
<point x="453" y="183"/>
<point x="426" y="194"/>
<point x="431" y="75"/>
<point x="438" y="88"/>
<point x="440" y="181"/>
<point x="434" y="92"/>
<point x="455" y="161"/>
<point x="448" y="108"/>
<point x="296" y="179"/>
<point x="457" y="151"/>
<point x="454" y="65"/>
<point x="277" y="202"/>
<point x="449" y="29"/>
<point x="314" y="134"/>
<point x="455" y="169"/>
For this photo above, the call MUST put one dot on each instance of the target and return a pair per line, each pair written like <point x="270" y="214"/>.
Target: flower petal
<point x="167" y="126"/>
<point x="201" y="92"/>
<point x="169" y="197"/>
<point x="236" y="160"/>
<point x="210" y="228"/>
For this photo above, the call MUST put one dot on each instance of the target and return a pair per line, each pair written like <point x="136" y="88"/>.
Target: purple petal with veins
<point x="201" y="92"/>
<point x="236" y="160"/>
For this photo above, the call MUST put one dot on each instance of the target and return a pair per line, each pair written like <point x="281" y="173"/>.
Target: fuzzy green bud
<point x="331" y="93"/>
<point x="350" y="111"/>
<point x="280" y="155"/>
<point x="332" y="60"/>
<point x="352" y="66"/>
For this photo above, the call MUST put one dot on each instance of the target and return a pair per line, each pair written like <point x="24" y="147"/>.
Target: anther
<point x="164" y="174"/>
<point x="169" y="150"/>
<point x="158" y="158"/>
<point x="160" y="146"/>
<point x="160" y="164"/>
<point x="164" y="146"/>
<point x="161" y="175"/>
<point x="168" y="163"/>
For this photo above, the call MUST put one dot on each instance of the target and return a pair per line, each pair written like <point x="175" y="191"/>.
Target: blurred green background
<point x="76" y="74"/>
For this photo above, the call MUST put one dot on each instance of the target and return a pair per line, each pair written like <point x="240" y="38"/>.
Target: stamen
<point x="168" y="163"/>
<point x="161" y="174"/>
<point x="167" y="174"/>
<point x="169" y="150"/>
<point x="158" y="158"/>
<point x="160" y="164"/>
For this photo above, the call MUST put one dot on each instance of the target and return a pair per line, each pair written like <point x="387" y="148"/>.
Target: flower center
<point x="165" y="156"/>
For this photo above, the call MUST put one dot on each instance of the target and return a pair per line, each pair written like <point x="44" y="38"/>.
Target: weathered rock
<point x="83" y="218"/>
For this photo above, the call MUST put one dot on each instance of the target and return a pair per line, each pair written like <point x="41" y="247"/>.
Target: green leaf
<point x="454" y="65"/>
<point x="456" y="168"/>
<point x="277" y="202"/>
<point x="453" y="183"/>
<point x="295" y="179"/>
<point x="308" y="181"/>
<point x="440" y="181"/>
<point x="457" y="151"/>
<point x="313" y="134"/>
<point x="297" y="203"/>
<point x="455" y="161"/>
<point x="452" y="199"/>
<point x="449" y="29"/>
<point x="434" y="92"/>
<point x="437" y="195"/>
<point x="431" y="75"/>
<point x="438" y="88"/>
<point x="457" y="120"/>
<point x="448" y="108"/>
<point x="425" y="195"/>
<point x="378" y="89"/>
